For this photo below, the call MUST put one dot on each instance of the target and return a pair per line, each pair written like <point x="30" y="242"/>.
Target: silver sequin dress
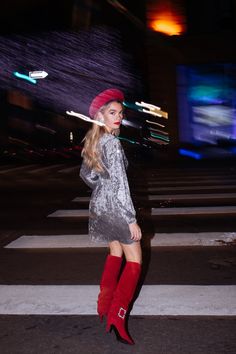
<point x="111" y="208"/>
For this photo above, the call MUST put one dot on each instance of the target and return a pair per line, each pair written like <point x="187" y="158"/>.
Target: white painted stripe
<point x="70" y="213"/>
<point x="190" y="188"/>
<point x="188" y="182"/>
<point x="159" y="240"/>
<point x="55" y="241"/>
<point x="81" y="199"/>
<point x="212" y="210"/>
<point x="186" y="175"/>
<point x="182" y="197"/>
<point x="186" y="179"/>
<point x="179" y="197"/>
<point x="191" y="172"/>
<point x="164" y="300"/>
<point x="46" y="168"/>
<point x="192" y="239"/>
<point x="14" y="169"/>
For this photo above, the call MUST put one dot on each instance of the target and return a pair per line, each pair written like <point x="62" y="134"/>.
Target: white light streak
<point x="160" y="125"/>
<point x="83" y="117"/>
<point x="152" y="113"/>
<point x="152" y="109"/>
<point x="148" y="105"/>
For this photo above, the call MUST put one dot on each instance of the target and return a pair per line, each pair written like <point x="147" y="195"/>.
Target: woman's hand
<point x="135" y="231"/>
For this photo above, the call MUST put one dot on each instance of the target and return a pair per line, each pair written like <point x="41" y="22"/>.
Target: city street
<point x="50" y="271"/>
<point x="77" y="79"/>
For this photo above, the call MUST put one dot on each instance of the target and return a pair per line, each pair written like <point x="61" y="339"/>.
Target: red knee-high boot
<point x="108" y="284"/>
<point x="123" y="295"/>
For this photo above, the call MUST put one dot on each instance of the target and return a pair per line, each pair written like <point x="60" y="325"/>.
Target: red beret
<point x="103" y="98"/>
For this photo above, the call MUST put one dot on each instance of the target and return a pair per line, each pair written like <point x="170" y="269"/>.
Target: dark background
<point x="209" y="38"/>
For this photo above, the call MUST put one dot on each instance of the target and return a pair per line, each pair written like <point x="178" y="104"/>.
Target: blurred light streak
<point x="20" y="141"/>
<point x="152" y="109"/>
<point x="207" y="93"/>
<point x="147" y="105"/>
<point x="160" y="137"/>
<point x="128" y="123"/>
<point x="41" y="127"/>
<point x="157" y="130"/>
<point x="126" y="139"/>
<point x="24" y="77"/>
<point x="160" y="142"/>
<point x="83" y="117"/>
<point x="152" y="113"/>
<point x="190" y="153"/>
<point x="160" y="125"/>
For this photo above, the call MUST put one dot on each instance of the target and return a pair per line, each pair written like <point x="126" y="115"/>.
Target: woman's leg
<point x="115" y="249"/>
<point x="133" y="252"/>
<point x="124" y="292"/>
<point x="109" y="278"/>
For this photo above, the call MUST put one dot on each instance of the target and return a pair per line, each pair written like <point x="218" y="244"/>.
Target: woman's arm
<point x="113" y="155"/>
<point x="90" y="177"/>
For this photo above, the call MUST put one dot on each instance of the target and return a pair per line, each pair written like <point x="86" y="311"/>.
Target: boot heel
<point x="118" y="336"/>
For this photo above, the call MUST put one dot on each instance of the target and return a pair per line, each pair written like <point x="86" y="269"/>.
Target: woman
<point x="112" y="215"/>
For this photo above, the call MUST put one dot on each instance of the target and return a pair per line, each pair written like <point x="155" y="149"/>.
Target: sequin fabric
<point x="111" y="208"/>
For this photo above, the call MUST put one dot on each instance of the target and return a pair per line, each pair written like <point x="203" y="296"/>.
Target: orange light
<point x="167" y="16"/>
<point x="168" y="27"/>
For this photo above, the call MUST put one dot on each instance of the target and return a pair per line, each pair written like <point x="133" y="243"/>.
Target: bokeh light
<point x="167" y="17"/>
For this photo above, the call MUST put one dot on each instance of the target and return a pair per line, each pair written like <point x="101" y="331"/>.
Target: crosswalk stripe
<point x="159" y="240"/>
<point x="190" y="188"/>
<point x="55" y="241"/>
<point x="192" y="172"/>
<point x="81" y="199"/>
<point x="194" y="300"/>
<point x="212" y="210"/>
<point x="192" y="197"/>
<point x="173" y="176"/>
<point x="177" y="197"/>
<point x="70" y="213"/>
<point x="187" y="181"/>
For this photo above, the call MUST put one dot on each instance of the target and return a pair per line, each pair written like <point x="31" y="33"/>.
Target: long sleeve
<point x="90" y="177"/>
<point x="116" y="162"/>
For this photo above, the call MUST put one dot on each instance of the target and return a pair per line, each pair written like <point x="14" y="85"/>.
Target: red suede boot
<point x="123" y="295"/>
<point x="108" y="284"/>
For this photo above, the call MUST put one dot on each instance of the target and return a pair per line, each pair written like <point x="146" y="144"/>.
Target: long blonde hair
<point x="90" y="151"/>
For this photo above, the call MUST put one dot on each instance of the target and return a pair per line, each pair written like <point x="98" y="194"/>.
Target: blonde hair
<point x="90" y="151"/>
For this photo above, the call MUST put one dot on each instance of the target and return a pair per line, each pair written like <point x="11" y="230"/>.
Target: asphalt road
<point x="29" y="194"/>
